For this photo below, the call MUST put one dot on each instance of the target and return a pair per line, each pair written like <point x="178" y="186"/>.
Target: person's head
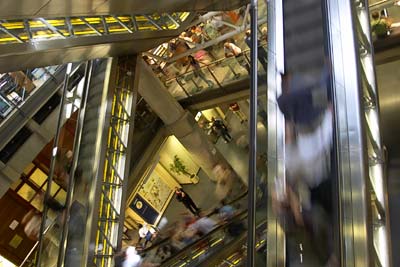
<point x="248" y="32"/>
<point x="375" y="15"/>
<point x="226" y="44"/>
<point x="264" y="31"/>
<point x="177" y="190"/>
<point x="285" y="81"/>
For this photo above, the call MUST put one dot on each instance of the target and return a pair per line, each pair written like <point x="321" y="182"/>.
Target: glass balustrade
<point x="17" y="87"/>
<point x="217" y="75"/>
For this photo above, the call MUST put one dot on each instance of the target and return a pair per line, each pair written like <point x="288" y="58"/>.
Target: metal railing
<point x="213" y="76"/>
<point x="17" y="87"/>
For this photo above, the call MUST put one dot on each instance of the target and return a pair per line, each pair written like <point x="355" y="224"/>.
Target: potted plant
<point x="180" y="168"/>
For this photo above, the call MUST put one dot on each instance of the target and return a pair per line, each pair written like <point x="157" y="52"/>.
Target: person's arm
<point x="227" y="52"/>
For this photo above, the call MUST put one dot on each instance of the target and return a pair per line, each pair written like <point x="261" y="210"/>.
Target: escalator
<point x="35" y="42"/>
<point x="223" y="244"/>
<point x="332" y="67"/>
<point x="29" y="127"/>
<point x="216" y="248"/>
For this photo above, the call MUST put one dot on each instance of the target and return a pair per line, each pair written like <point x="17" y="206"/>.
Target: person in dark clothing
<point x="220" y="128"/>
<point x="262" y="54"/>
<point x="197" y="71"/>
<point x="183" y="197"/>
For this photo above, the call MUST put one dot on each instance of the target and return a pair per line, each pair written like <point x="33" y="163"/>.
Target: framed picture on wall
<point x="144" y="209"/>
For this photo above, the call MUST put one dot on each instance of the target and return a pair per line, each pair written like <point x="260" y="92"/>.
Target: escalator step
<point x="298" y="7"/>
<point x="297" y="24"/>
<point x="311" y="41"/>
<point x="302" y="61"/>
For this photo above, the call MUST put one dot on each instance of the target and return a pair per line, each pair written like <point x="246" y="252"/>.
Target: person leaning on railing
<point x="231" y="49"/>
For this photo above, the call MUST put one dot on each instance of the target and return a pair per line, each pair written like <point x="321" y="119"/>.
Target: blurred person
<point x="132" y="259"/>
<point x="129" y="257"/>
<point x="186" y="200"/>
<point x="380" y="26"/>
<point x="31" y="222"/>
<point x="226" y="211"/>
<point x="233" y="16"/>
<point x="220" y="128"/>
<point x="230" y="49"/>
<point x="197" y="71"/>
<point x="235" y="108"/>
<point x="210" y="31"/>
<point x="162" y="224"/>
<point x="147" y="232"/>
<point x="76" y="232"/>
<point x="264" y="34"/>
<point x="203" y="225"/>
<point x="163" y="253"/>
<point x="262" y="55"/>
<point x="227" y="215"/>
<point x="187" y="37"/>
<point x="225" y="177"/>
<point x="309" y="141"/>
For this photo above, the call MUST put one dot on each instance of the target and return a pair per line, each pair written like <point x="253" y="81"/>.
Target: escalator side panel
<point x="86" y="184"/>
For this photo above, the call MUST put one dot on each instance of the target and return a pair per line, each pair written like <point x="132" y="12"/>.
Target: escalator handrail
<point x="240" y="215"/>
<point x="11" y="125"/>
<point x="163" y="241"/>
<point x="36" y="244"/>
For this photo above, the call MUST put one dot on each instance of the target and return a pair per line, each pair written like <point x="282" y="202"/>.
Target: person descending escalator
<point x="130" y="257"/>
<point x="307" y="109"/>
<point x="227" y="214"/>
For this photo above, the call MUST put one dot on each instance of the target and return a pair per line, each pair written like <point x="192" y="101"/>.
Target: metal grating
<point x="39" y="29"/>
<point x="376" y="155"/>
<point x="111" y="200"/>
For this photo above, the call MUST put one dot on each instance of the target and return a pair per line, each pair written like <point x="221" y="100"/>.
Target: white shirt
<point x="132" y="258"/>
<point x="144" y="230"/>
<point x="235" y="50"/>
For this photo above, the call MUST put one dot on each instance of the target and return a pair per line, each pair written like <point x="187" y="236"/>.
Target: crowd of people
<point x="182" y="233"/>
<point x="196" y="35"/>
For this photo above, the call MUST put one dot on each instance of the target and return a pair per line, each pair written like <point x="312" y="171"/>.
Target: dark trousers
<point x="263" y="58"/>
<point x="189" y="204"/>
<point x="227" y="137"/>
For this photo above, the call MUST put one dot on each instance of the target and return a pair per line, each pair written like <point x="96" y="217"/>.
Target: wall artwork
<point x="155" y="190"/>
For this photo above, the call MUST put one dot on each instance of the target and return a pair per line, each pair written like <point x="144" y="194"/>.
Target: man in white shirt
<point x="147" y="232"/>
<point x="231" y="49"/>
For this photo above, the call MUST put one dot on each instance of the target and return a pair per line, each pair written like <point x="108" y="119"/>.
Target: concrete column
<point x="179" y="122"/>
